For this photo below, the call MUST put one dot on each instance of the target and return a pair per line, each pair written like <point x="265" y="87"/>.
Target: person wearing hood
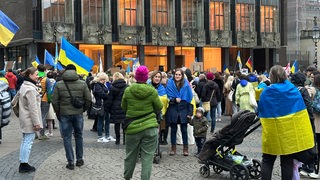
<point x="200" y="85"/>
<point x="12" y="80"/>
<point x="243" y="91"/>
<point x="298" y="79"/>
<point x="156" y="78"/>
<point x="141" y="103"/>
<point x="211" y="92"/>
<point x="5" y="110"/>
<point x="180" y="109"/>
<point x="69" y="115"/>
<point x="113" y="104"/>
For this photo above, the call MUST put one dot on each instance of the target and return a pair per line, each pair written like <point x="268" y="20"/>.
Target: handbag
<point x="97" y="110"/>
<point x="15" y="104"/>
<point x="75" y="101"/>
<point x="206" y="105"/>
<point x="252" y="99"/>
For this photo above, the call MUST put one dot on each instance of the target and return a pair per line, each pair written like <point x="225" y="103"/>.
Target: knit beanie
<point x="210" y="76"/>
<point x="142" y="74"/>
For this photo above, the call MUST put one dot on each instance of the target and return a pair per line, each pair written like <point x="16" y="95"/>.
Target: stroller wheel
<point x="239" y="172"/>
<point x="205" y="171"/>
<point x="156" y="159"/>
<point x="255" y="169"/>
<point x="217" y="169"/>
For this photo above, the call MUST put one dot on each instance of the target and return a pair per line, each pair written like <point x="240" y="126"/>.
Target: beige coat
<point x="29" y="107"/>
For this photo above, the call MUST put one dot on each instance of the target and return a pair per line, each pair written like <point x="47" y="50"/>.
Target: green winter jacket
<point x="138" y="100"/>
<point x="200" y="126"/>
<point x="61" y="100"/>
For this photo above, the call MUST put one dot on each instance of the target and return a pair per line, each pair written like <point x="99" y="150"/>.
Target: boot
<point x="173" y="150"/>
<point x="117" y="139"/>
<point x="185" y="150"/>
<point x="124" y="139"/>
<point x="26" y="168"/>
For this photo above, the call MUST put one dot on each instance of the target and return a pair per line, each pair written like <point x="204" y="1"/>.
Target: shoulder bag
<point x="206" y="105"/>
<point x="75" y="101"/>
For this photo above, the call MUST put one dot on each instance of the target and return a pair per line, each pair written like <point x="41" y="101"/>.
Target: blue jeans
<point x="25" y="147"/>
<point x="12" y="93"/>
<point x="104" y="120"/>
<point x="184" y="133"/>
<point x="219" y="110"/>
<point x="213" y="117"/>
<point x="200" y="142"/>
<point x="69" y="123"/>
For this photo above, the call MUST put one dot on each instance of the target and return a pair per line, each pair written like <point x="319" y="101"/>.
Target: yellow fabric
<point x="165" y="102"/>
<point x="287" y="134"/>
<point x="193" y="102"/>
<point x="258" y="93"/>
<point x="4" y="80"/>
<point x="43" y="83"/>
<point x="65" y="61"/>
<point x="5" y="35"/>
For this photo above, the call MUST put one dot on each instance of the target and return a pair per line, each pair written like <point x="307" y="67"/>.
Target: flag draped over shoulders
<point x="185" y="93"/>
<point x="286" y="128"/>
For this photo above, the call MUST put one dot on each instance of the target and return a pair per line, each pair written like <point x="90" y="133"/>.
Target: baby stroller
<point x="220" y="151"/>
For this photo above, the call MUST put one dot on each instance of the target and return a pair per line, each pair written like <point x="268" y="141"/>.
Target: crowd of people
<point x="172" y="100"/>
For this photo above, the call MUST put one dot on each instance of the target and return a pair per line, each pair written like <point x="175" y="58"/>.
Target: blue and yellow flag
<point x="59" y="66"/>
<point x="295" y="67"/>
<point x="7" y="29"/>
<point x="71" y="55"/>
<point x="36" y="62"/>
<point x="56" y="57"/>
<point x="128" y="60"/>
<point x="239" y="60"/>
<point x="286" y="127"/>
<point x="226" y="69"/>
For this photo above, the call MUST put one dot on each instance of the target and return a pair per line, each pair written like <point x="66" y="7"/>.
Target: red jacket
<point x="12" y="80"/>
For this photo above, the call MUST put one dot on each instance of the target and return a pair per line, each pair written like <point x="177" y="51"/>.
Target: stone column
<point x="199" y="53"/>
<point x="140" y="51"/>
<point x="107" y="57"/>
<point x="170" y="58"/>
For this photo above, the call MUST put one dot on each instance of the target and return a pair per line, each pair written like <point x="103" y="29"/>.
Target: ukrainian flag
<point x="7" y="29"/>
<point x="71" y="55"/>
<point x="295" y="67"/>
<point x="36" y="62"/>
<point x="286" y="127"/>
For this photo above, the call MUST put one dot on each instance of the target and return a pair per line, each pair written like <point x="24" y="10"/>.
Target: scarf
<point x="185" y="93"/>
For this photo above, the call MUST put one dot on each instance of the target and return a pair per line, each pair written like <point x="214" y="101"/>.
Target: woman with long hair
<point x="180" y="109"/>
<point x="226" y="91"/>
<point x="29" y="116"/>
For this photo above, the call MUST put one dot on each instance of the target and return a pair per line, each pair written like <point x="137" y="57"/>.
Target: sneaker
<point x="100" y="139"/>
<point x="44" y="137"/>
<point x="70" y="166"/>
<point x="26" y="168"/>
<point x="105" y="140"/>
<point x="110" y="138"/>
<point x="80" y="163"/>
<point x="313" y="175"/>
<point x="49" y="134"/>
<point x="304" y="173"/>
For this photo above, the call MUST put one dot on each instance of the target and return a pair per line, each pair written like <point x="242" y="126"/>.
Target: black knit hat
<point x="71" y="67"/>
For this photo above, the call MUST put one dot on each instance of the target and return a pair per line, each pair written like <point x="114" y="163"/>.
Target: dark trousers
<point x="184" y="133"/>
<point x="117" y="131"/>
<point x="286" y="163"/>
<point x="199" y="142"/>
<point x="164" y="135"/>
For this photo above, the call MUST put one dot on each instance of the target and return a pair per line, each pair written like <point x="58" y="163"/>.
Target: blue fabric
<point x="243" y="82"/>
<point x="185" y="92"/>
<point x="161" y="90"/>
<point x="262" y="85"/>
<point x="280" y="100"/>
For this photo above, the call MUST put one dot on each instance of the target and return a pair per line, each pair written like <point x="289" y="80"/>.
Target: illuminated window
<point x="92" y="11"/>
<point x="130" y="12"/>
<point x="189" y="13"/>
<point x="54" y="10"/>
<point x="243" y="12"/>
<point x="216" y="15"/>
<point x="267" y="18"/>
<point x="160" y="12"/>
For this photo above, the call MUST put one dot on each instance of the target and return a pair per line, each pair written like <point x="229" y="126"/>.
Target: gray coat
<point x="61" y="100"/>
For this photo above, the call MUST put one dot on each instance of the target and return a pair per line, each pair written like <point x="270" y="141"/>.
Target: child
<point x="200" y="127"/>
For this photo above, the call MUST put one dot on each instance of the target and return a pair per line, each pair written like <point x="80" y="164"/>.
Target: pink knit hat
<point x="210" y="76"/>
<point x="142" y="74"/>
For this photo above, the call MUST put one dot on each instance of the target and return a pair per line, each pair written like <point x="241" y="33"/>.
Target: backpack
<point x="316" y="102"/>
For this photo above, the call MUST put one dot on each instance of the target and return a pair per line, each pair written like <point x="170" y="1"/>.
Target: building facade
<point x="163" y="34"/>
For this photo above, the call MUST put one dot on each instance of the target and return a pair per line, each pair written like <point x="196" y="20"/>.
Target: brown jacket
<point x="29" y="107"/>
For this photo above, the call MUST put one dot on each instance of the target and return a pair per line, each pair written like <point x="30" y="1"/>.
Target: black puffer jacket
<point x="200" y="86"/>
<point x="113" y="104"/>
<point x="207" y="91"/>
<point x="220" y="84"/>
<point x="100" y="92"/>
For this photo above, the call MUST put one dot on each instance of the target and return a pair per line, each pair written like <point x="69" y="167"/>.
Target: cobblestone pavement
<point x="105" y="160"/>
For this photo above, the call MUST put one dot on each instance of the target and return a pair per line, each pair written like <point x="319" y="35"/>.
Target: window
<point x="217" y="15"/>
<point x="243" y="13"/>
<point x="189" y="13"/>
<point x="92" y="11"/>
<point x="54" y="11"/>
<point x="130" y="12"/>
<point x="160" y="16"/>
<point x="267" y="18"/>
